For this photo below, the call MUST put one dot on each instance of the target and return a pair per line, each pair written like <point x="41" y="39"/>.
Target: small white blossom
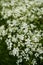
<point x="34" y="61"/>
<point x="36" y="54"/>
<point x="14" y="39"/>
<point x="27" y="50"/>
<point x="15" y="51"/>
<point x="21" y="37"/>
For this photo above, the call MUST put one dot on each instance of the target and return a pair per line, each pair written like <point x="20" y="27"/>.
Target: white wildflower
<point x="21" y="37"/>
<point x="34" y="61"/>
<point x="14" y="39"/>
<point x="15" y="51"/>
<point x="27" y="50"/>
<point x="36" y="54"/>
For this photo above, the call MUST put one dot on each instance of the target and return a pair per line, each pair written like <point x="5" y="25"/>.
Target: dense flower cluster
<point x="21" y="31"/>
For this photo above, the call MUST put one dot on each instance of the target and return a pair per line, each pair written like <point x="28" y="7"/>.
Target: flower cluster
<point x="21" y="31"/>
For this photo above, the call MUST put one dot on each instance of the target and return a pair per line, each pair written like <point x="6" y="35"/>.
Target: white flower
<point x="0" y="38"/>
<point x="27" y="50"/>
<point x="14" y="39"/>
<point x="36" y="54"/>
<point x="34" y="61"/>
<point x="40" y="50"/>
<point x="33" y="49"/>
<point x="20" y="60"/>
<point x="30" y="33"/>
<point x="21" y="37"/>
<point x="32" y="26"/>
<point x="9" y="13"/>
<point x="10" y="29"/>
<point x="35" y="39"/>
<point x="15" y="51"/>
<point x="12" y="2"/>
<point x="31" y="2"/>
<point x="27" y="41"/>
<point x="24" y="25"/>
<point x="4" y="4"/>
<point x="23" y="53"/>
<point x="30" y="52"/>
<point x="41" y="57"/>
<point x="9" y="35"/>
<point x="14" y="22"/>
<point x="26" y="57"/>
<point x="8" y="22"/>
<point x="9" y="43"/>
<point x="25" y="31"/>
<point x="2" y="31"/>
<point x="5" y="16"/>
